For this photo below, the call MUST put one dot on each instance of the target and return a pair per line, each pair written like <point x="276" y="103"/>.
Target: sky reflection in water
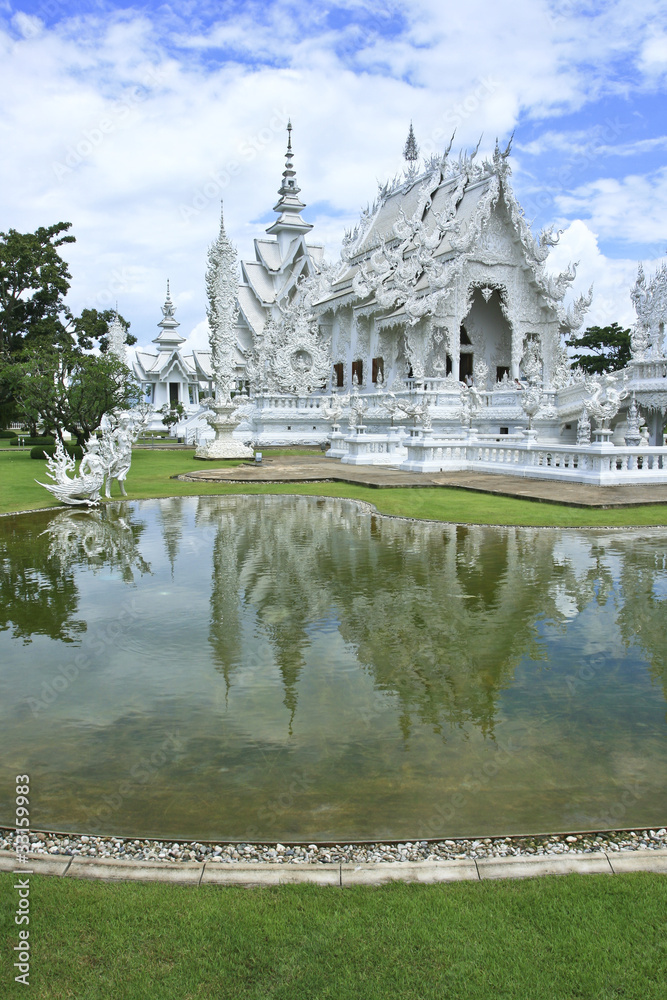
<point x="292" y="668"/>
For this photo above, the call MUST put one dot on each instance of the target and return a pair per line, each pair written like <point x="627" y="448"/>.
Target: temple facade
<point x="442" y="278"/>
<point x="435" y="342"/>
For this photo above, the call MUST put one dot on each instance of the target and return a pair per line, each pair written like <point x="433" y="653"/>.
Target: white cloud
<point x="653" y="58"/>
<point x="631" y="209"/>
<point x="133" y="126"/>
<point x="612" y="280"/>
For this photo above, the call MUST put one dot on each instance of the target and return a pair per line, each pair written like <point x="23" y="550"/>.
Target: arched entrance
<point x="485" y="335"/>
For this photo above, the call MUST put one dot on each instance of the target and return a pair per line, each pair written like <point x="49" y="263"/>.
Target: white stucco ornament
<point x="222" y="313"/>
<point x="117" y="336"/>
<point x="604" y="401"/>
<point x="650" y="302"/>
<point x="297" y="359"/>
<point x="104" y="459"/>
<point x="584" y="429"/>
<point x="335" y="408"/>
<point x="115" y="447"/>
<point x="70" y="488"/>
<point x="533" y="394"/>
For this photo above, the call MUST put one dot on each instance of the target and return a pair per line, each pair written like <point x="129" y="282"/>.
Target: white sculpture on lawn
<point x="222" y="313"/>
<point x="116" y="443"/>
<point x="72" y="489"/>
<point x="104" y="459"/>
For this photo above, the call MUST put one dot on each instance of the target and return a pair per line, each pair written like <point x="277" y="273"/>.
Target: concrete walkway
<point x="319" y="468"/>
<point x="339" y="875"/>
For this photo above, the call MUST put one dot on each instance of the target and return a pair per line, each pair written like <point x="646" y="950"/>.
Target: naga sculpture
<point x="72" y="489"/>
<point x="104" y="459"/>
<point x="605" y="399"/>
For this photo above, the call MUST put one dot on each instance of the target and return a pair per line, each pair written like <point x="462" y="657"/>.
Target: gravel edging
<point x="56" y="846"/>
<point x="340" y="875"/>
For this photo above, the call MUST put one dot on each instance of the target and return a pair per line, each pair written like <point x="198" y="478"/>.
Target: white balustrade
<point x="600" y="465"/>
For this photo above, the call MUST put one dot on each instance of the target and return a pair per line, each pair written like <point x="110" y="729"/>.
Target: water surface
<point x="292" y="668"/>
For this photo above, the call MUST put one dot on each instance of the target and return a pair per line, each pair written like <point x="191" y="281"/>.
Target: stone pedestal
<point x="602" y="436"/>
<point x="223" y="445"/>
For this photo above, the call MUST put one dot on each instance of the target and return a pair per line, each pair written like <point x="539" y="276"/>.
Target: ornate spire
<point x="168" y="339"/>
<point x="222" y="311"/>
<point x="116" y="336"/>
<point x="289" y="224"/>
<point x="411" y="149"/>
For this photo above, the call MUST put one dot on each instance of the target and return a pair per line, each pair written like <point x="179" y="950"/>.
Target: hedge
<point x="75" y="450"/>
<point x="8" y="434"/>
<point x="45" y="439"/>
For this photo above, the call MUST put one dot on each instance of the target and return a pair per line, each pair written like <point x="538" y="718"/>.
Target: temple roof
<point x="289" y="206"/>
<point x="408" y="247"/>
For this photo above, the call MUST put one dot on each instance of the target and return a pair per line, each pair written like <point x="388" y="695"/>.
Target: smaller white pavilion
<point x="168" y="376"/>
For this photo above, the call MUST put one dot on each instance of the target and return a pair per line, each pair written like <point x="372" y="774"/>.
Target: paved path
<point x="316" y="468"/>
<point x="335" y="874"/>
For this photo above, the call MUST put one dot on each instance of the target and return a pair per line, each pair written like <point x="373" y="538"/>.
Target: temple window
<point x="174" y="392"/>
<point x="358" y="370"/>
<point x="465" y="339"/>
<point x="339" y="375"/>
<point x="465" y="366"/>
<point x="501" y="371"/>
<point x="377" y="368"/>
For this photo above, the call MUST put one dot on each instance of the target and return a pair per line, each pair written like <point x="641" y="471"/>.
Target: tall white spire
<point x="168" y="339"/>
<point x="222" y="312"/>
<point x="289" y="224"/>
<point x="117" y="337"/>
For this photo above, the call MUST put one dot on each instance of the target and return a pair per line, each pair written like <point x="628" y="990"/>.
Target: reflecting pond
<point x="291" y="668"/>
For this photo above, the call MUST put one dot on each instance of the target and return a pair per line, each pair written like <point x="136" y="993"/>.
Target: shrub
<point x="8" y="434"/>
<point x="45" y="439"/>
<point x="42" y="451"/>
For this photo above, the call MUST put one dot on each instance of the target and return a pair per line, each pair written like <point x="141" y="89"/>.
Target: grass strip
<point x="152" y="471"/>
<point x="578" y="936"/>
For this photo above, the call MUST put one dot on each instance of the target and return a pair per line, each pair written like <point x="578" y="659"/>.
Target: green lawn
<point x="555" y="938"/>
<point x="151" y="474"/>
<point x="568" y="938"/>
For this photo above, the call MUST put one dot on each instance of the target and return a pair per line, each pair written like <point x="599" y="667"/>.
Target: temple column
<point x="455" y="348"/>
<point x="517" y="353"/>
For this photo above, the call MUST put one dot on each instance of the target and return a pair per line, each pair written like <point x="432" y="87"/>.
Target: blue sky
<point x="132" y="122"/>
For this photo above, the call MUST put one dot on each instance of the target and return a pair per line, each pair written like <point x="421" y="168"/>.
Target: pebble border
<point x="54" y="846"/>
<point x="339" y="874"/>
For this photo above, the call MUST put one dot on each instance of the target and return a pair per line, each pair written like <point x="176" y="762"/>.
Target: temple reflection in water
<point x="331" y="672"/>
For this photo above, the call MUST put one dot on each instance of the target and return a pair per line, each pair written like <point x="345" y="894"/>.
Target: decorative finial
<point x="411" y="149"/>
<point x="289" y="135"/>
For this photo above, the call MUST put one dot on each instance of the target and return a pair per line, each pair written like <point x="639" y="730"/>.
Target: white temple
<point x="168" y="376"/>
<point x="435" y="342"/>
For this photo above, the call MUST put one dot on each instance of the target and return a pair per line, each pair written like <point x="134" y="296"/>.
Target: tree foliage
<point x="34" y="280"/>
<point x="605" y="349"/>
<point x="172" y="413"/>
<point x="68" y="389"/>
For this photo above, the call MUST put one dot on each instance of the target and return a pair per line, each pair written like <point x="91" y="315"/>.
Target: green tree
<point x="172" y="413"/>
<point x="605" y="349"/>
<point x="68" y="389"/>
<point x="34" y="280"/>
